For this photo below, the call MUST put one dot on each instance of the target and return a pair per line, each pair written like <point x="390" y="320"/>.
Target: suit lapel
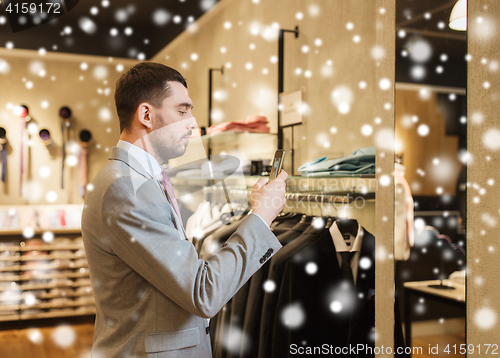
<point x="121" y="155"/>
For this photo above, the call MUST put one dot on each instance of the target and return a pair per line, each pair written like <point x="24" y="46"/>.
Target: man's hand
<point x="268" y="199"/>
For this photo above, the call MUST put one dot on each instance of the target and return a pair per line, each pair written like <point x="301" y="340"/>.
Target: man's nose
<point x="191" y="123"/>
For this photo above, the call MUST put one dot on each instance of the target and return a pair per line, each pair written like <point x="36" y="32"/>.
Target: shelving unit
<point x="43" y="279"/>
<point x="234" y="137"/>
<point x="360" y="185"/>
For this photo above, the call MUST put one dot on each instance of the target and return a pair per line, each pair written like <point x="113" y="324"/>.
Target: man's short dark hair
<point x="145" y="82"/>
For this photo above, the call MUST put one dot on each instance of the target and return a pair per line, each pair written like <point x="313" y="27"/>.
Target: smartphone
<point x="277" y="164"/>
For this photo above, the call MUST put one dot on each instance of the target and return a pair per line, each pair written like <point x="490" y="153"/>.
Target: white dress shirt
<point x="340" y="241"/>
<point x="147" y="161"/>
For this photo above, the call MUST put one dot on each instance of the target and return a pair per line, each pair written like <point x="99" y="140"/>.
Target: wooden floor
<point x="63" y="341"/>
<point x="439" y="341"/>
<point x="75" y="341"/>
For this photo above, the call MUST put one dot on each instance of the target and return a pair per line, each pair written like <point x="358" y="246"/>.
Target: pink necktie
<point x="167" y="185"/>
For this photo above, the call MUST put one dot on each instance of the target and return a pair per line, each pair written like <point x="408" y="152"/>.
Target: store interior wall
<point x="45" y="84"/>
<point x="329" y="54"/>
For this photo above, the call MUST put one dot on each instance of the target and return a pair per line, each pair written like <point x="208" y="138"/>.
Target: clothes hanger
<point x="309" y="204"/>
<point x="335" y="207"/>
<point x="320" y="204"/>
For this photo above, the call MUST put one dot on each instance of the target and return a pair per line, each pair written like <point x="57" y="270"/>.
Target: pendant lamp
<point x="458" y="17"/>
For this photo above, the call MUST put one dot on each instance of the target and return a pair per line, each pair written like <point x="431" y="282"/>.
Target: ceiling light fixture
<point x="458" y="17"/>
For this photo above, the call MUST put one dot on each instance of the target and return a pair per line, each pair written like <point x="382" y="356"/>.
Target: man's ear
<point x="145" y="115"/>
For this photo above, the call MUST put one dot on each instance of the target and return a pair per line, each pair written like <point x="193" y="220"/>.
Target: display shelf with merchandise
<point x="44" y="296"/>
<point x="43" y="266"/>
<point x="51" y="247"/>
<point x="361" y="185"/>
<point x="40" y="257"/>
<point x="66" y="313"/>
<point x="29" y="220"/>
<point x="40" y="231"/>
<point x="30" y="277"/>
<point x="41" y="286"/>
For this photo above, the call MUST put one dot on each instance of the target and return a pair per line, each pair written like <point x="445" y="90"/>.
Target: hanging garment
<point x="207" y="219"/>
<point x="331" y="314"/>
<point x="255" y="298"/>
<point x="276" y="272"/>
<point x="329" y="310"/>
<point x="285" y="222"/>
<point x="227" y="327"/>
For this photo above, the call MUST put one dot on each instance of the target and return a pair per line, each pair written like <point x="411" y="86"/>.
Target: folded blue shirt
<point x="361" y="161"/>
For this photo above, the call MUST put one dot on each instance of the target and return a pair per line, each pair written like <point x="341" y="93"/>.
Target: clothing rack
<point x="340" y="198"/>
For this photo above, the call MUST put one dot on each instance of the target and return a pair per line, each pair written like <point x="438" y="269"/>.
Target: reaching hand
<point x="268" y="199"/>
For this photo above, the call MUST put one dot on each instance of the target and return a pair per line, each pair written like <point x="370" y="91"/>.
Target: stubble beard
<point x="161" y="140"/>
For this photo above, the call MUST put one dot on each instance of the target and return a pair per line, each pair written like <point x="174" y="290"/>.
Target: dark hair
<point x="145" y="82"/>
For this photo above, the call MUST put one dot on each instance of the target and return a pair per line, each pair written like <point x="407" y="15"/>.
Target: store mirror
<point x="431" y="151"/>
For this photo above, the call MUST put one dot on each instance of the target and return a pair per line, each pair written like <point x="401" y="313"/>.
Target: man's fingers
<point x="282" y="176"/>
<point x="260" y="183"/>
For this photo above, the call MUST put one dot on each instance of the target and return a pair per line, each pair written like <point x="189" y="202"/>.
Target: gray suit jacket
<point x="152" y="291"/>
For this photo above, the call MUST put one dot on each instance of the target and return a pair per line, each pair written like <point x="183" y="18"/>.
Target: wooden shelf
<point x="43" y="267"/>
<point x="47" y="247"/>
<point x="49" y="296"/>
<point x="59" y="295"/>
<point x="47" y="305"/>
<point x="11" y="268"/>
<point x="12" y="317"/>
<point x="77" y="312"/>
<point x="41" y="257"/>
<point x="44" y="276"/>
<point x="57" y="305"/>
<point x="10" y="307"/>
<point x="10" y="248"/>
<point x="41" y="286"/>
<point x="41" y="231"/>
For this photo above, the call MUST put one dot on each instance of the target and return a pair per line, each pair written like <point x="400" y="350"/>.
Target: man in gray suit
<point x="153" y="294"/>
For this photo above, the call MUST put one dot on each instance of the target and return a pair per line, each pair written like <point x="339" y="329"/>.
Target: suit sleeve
<point x="143" y="236"/>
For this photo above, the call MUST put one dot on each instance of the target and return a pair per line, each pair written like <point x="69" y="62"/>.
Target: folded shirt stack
<point x="361" y="161"/>
<point x="257" y="124"/>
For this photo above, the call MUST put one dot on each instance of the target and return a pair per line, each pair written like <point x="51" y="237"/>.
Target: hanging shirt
<point x="347" y="243"/>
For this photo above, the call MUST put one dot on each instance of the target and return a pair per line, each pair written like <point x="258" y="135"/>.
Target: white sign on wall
<point x="292" y="108"/>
